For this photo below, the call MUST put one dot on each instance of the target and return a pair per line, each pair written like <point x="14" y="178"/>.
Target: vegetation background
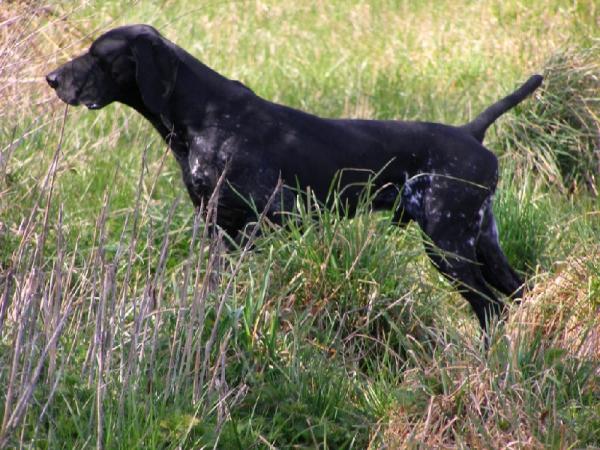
<point x="123" y="325"/>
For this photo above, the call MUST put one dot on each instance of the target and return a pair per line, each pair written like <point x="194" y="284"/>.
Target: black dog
<point x="437" y="175"/>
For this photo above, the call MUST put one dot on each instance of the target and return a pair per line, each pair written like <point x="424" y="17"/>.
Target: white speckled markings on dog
<point x="219" y="128"/>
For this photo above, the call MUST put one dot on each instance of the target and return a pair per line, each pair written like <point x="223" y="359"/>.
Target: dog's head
<point x="126" y="64"/>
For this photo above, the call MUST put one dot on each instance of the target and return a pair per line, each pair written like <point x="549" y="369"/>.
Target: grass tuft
<point x="537" y="388"/>
<point x="559" y="135"/>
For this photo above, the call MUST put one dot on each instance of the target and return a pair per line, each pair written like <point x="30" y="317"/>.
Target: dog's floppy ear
<point x="156" y="70"/>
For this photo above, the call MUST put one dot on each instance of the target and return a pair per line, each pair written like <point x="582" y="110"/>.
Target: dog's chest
<point x="205" y="159"/>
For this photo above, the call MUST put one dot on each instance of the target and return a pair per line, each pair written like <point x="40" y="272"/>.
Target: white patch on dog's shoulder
<point x="194" y="166"/>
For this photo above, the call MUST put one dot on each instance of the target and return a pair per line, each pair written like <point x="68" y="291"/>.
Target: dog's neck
<point x="207" y="103"/>
<point x="203" y="96"/>
<point x="134" y="100"/>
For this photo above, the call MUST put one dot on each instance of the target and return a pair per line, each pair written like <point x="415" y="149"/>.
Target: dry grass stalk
<point x="486" y="406"/>
<point x="561" y="308"/>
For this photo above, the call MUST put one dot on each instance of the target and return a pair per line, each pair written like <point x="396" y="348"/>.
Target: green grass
<point x="123" y="324"/>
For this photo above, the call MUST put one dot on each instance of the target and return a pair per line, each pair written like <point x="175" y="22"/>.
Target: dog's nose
<point x="52" y="79"/>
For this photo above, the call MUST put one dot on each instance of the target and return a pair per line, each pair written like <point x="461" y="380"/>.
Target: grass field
<point x="124" y="325"/>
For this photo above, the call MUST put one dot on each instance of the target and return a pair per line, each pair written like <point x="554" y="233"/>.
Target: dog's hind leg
<point x="448" y="213"/>
<point x="460" y="268"/>
<point x="494" y="264"/>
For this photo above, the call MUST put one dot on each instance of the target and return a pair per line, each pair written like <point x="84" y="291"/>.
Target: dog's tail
<point x="480" y="124"/>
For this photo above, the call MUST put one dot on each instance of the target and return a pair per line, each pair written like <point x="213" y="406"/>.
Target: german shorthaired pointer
<point x="438" y="175"/>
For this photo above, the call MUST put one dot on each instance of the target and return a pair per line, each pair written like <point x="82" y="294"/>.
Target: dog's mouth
<point x="74" y="100"/>
<point x="70" y="100"/>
